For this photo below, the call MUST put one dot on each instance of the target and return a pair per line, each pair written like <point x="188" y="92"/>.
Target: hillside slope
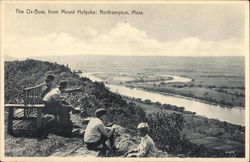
<point x="20" y="74"/>
<point x="94" y="95"/>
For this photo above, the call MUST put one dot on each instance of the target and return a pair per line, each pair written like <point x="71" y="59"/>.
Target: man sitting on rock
<point x="56" y="106"/>
<point x="96" y="133"/>
<point x="147" y="146"/>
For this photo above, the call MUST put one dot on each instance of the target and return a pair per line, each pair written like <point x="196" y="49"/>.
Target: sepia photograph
<point x="126" y="80"/>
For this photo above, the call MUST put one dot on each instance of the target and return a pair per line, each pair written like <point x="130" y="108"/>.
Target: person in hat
<point x="56" y="106"/>
<point x="147" y="146"/>
<point x="96" y="133"/>
<point x="47" y="86"/>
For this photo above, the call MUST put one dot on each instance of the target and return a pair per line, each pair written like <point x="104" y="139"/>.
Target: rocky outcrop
<point x="124" y="141"/>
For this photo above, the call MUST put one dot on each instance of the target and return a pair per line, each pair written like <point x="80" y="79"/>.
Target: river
<point x="231" y="115"/>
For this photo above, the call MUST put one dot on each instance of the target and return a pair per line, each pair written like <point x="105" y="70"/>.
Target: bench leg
<point x="39" y="118"/>
<point x="10" y="120"/>
<point x="25" y="113"/>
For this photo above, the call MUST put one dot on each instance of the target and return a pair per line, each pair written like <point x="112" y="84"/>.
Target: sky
<point x="164" y="29"/>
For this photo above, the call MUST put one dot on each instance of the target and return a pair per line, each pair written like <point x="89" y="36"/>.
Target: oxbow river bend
<point x="231" y="115"/>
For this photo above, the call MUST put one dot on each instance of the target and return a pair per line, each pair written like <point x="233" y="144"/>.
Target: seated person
<point x="147" y="146"/>
<point x="47" y="86"/>
<point x="96" y="133"/>
<point x="56" y="106"/>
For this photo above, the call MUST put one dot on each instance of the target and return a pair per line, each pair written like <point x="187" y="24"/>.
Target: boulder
<point x="124" y="141"/>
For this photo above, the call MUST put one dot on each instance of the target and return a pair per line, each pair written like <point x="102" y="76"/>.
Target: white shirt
<point x="94" y="130"/>
<point x="52" y="96"/>
<point x="147" y="146"/>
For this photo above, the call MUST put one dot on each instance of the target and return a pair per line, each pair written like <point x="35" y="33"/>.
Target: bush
<point x="21" y="74"/>
<point x="128" y="116"/>
<point x="166" y="130"/>
<point x="148" y="102"/>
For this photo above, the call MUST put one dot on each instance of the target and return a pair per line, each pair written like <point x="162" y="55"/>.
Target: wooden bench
<point x="30" y="110"/>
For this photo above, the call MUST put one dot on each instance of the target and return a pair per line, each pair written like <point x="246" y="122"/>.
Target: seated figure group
<point x="97" y="136"/>
<point x="54" y="102"/>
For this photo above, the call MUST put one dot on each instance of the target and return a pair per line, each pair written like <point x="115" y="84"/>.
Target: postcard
<point x="124" y="80"/>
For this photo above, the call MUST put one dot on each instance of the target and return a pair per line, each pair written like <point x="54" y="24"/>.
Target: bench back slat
<point x="32" y="95"/>
<point x="32" y="107"/>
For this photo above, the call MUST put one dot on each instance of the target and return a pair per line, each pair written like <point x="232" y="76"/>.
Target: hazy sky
<point x="163" y="29"/>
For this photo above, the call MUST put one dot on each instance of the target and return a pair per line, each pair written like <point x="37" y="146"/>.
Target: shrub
<point x="166" y="130"/>
<point x="148" y="102"/>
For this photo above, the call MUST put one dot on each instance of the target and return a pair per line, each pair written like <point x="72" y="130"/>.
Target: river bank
<point x="209" y="90"/>
<point x="170" y="79"/>
<point x="231" y="115"/>
<point x="189" y="98"/>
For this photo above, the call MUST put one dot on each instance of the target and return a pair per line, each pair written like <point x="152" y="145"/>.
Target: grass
<point x="30" y="147"/>
<point x="26" y="146"/>
<point x="192" y="136"/>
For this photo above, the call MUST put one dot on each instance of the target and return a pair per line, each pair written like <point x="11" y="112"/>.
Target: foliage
<point x="21" y="74"/>
<point x="166" y="130"/>
<point x="31" y="147"/>
<point x="119" y="111"/>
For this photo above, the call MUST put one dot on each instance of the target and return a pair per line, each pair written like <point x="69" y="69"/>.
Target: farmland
<point x="208" y="89"/>
<point x="217" y="80"/>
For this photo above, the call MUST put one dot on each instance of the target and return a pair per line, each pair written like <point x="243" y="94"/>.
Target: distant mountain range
<point x="166" y="63"/>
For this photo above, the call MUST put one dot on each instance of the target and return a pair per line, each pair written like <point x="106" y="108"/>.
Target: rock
<point x="181" y="155"/>
<point x="124" y="141"/>
<point x="161" y="154"/>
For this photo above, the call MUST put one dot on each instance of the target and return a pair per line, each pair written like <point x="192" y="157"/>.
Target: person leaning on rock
<point x="56" y="106"/>
<point x="96" y="133"/>
<point x="147" y="146"/>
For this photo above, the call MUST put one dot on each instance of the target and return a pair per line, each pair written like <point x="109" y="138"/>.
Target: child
<point x="147" y="146"/>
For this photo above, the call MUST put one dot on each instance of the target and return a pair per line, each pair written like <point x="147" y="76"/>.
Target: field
<point x="218" y="80"/>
